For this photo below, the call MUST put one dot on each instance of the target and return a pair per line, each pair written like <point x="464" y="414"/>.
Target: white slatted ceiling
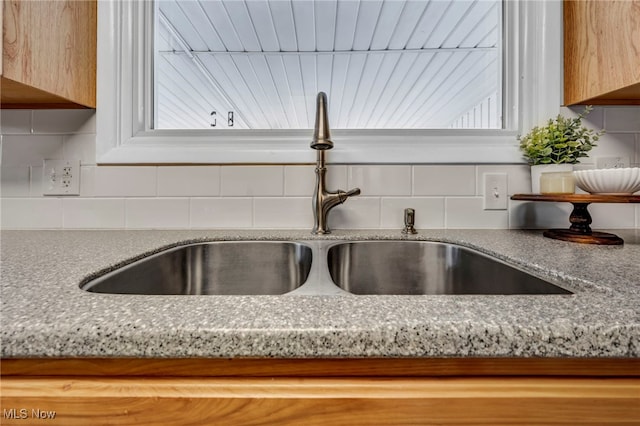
<point x="383" y="64"/>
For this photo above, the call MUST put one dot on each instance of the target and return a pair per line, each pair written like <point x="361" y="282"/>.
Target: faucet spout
<point x="323" y="199"/>
<point x="321" y="132"/>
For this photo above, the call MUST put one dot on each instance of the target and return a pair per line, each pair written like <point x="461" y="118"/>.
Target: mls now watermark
<point x="25" y="413"/>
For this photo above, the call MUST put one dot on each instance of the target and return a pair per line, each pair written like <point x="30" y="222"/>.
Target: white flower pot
<point x="536" y="172"/>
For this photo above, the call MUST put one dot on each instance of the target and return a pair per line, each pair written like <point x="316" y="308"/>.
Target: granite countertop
<point x="46" y="314"/>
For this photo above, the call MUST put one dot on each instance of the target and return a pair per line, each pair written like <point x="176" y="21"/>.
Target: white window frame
<point x="532" y="65"/>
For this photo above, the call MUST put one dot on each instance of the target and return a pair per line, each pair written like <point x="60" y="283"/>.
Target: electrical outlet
<point x="61" y="177"/>
<point x="612" y="162"/>
<point x="495" y="191"/>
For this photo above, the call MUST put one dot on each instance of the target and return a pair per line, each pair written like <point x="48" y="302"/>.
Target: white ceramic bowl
<point x="609" y="181"/>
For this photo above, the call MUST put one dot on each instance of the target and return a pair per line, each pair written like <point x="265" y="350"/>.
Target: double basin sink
<point x="320" y="267"/>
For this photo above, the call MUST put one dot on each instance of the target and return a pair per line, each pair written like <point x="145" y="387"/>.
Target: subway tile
<point x="622" y="119"/>
<point x="444" y="180"/>
<point x="518" y="178"/>
<point x="124" y="181"/>
<point x="15" y="121"/>
<point x="221" y="213"/>
<point x="157" y="213"/>
<point x="82" y="147"/>
<point x="87" y="180"/>
<point x="468" y="212"/>
<point x="300" y="180"/>
<point x="31" y="213"/>
<point x="30" y="150"/>
<point x="613" y="144"/>
<point x="377" y="180"/>
<point x="594" y="120"/>
<point x="14" y="181"/>
<point x="93" y="213"/>
<point x="429" y="212"/>
<point x="252" y="180"/>
<point x="188" y="181"/>
<point x="612" y="216"/>
<point x="532" y="215"/>
<point x="282" y="212"/>
<point x="356" y="213"/>
<point x="36" y="179"/>
<point x="64" y="121"/>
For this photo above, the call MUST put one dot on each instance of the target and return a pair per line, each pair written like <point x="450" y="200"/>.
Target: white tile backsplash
<point x="14" y="181"/>
<point x="356" y="213"/>
<point x="125" y="181"/>
<point x="157" y="213"/>
<point x="429" y="212"/>
<point x="31" y="150"/>
<point x="64" y="121"/>
<point x="15" y="121"/>
<point x="622" y="119"/>
<point x="257" y="181"/>
<point x="613" y="144"/>
<point x="274" y="196"/>
<point x="80" y="146"/>
<point x="518" y="178"/>
<point x="468" y="212"/>
<point x="91" y="213"/>
<point x="380" y="180"/>
<point x="31" y="213"/>
<point x="531" y="215"/>
<point x="444" y="180"/>
<point x="221" y="213"/>
<point x="283" y="212"/>
<point x="184" y="181"/>
<point x="36" y="189"/>
<point x="594" y="120"/>
<point x="607" y="216"/>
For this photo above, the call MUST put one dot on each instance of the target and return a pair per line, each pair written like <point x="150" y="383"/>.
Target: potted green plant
<point x="557" y="146"/>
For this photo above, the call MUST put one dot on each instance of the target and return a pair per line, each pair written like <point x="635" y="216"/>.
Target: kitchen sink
<point x="215" y="268"/>
<point x="423" y="267"/>
<point x="320" y="267"/>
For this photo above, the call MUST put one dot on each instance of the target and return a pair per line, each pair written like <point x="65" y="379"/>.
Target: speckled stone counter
<point x="46" y="314"/>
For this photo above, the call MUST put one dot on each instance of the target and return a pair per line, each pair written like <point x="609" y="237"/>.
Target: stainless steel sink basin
<point x="220" y="268"/>
<point x="423" y="267"/>
<point x="319" y="267"/>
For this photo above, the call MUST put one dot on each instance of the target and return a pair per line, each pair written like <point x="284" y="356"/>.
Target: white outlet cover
<point x="61" y="177"/>
<point x="495" y="191"/>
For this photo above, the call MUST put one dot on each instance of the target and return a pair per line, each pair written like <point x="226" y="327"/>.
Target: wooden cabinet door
<point x="602" y="52"/>
<point x="49" y="54"/>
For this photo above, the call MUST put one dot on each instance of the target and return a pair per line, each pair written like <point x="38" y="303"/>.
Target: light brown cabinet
<point x="321" y="392"/>
<point x="602" y="52"/>
<point x="48" y="54"/>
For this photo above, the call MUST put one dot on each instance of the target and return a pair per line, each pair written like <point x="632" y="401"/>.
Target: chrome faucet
<point x="324" y="200"/>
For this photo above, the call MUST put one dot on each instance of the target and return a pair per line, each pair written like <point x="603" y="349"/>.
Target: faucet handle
<point x="409" y="221"/>
<point x="343" y="195"/>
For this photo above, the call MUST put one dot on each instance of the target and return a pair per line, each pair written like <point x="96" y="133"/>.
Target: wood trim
<point x="316" y="401"/>
<point x="389" y="367"/>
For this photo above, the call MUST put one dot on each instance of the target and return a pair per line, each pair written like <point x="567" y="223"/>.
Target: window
<point x="395" y="64"/>
<point x="128" y="130"/>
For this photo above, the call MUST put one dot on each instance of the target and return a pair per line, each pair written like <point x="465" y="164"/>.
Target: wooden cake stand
<point x="580" y="231"/>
